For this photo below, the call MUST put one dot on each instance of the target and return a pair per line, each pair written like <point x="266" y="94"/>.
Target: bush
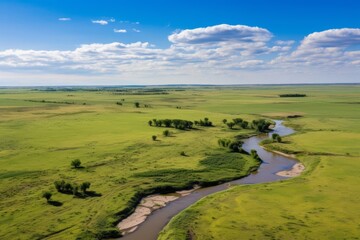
<point x="84" y="186"/>
<point x="76" y="163"/>
<point x="166" y="133"/>
<point x="183" y="153"/>
<point x="153" y="137"/>
<point x="137" y="104"/>
<point x="47" y="196"/>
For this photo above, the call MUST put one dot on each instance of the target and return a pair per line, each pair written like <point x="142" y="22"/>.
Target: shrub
<point x="137" y="104"/>
<point x="166" y="133"/>
<point x="153" y="137"/>
<point x="224" y="121"/>
<point x="76" y="163"/>
<point x="183" y="153"/>
<point x="84" y="186"/>
<point x="47" y="196"/>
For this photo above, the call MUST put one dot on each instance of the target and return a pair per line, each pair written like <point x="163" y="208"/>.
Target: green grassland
<point x="322" y="203"/>
<point x="39" y="139"/>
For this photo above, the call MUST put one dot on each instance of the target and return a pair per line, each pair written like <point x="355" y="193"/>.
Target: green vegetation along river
<point x="272" y="164"/>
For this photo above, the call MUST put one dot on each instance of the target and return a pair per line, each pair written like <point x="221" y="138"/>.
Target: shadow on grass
<point x="55" y="203"/>
<point x="88" y="194"/>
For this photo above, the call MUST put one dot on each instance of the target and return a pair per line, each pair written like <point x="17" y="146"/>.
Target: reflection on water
<point x="272" y="164"/>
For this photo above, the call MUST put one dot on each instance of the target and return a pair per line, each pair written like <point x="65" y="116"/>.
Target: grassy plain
<point x="322" y="203"/>
<point x="40" y="134"/>
<point x="38" y="140"/>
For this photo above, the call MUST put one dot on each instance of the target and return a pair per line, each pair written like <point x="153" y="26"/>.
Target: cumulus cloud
<point x="101" y="22"/>
<point x="64" y="19"/>
<point x="326" y="48"/>
<point x="216" y="50"/>
<point x="120" y="30"/>
<point x="221" y="33"/>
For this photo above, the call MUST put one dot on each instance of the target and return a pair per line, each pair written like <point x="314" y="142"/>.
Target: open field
<point x="323" y="203"/>
<point x="39" y="139"/>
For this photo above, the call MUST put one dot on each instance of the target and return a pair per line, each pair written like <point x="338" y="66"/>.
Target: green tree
<point x="224" y="121"/>
<point x="153" y="137"/>
<point x="166" y="133"/>
<point x="47" y="195"/>
<point x="150" y="123"/>
<point x="230" y="125"/>
<point x="137" y="104"/>
<point x="76" y="163"/>
<point x="84" y="186"/>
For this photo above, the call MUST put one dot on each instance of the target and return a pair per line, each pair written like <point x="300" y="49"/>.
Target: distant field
<point x="41" y="132"/>
<point x="323" y="203"/>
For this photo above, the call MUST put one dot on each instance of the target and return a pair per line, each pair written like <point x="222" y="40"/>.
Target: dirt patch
<point x="295" y="171"/>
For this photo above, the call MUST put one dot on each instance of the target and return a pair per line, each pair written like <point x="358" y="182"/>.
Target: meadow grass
<point x="322" y="203"/>
<point x="38" y="140"/>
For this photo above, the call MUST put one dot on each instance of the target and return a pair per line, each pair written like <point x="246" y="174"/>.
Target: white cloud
<point x="64" y="19"/>
<point x="326" y="48"/>
<point x="136" y="30"/>
<point x="120" y="30"/>
<point x="218" y="52"/>
<point x="221" y="33"/>
<point x="101" y="22"/>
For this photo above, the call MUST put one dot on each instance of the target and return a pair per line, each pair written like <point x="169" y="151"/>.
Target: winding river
<point x="272" y="163"/>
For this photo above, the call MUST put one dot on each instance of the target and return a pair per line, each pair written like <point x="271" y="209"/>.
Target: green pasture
<point x="39" y="139"/>
<point x="322" y="203"/>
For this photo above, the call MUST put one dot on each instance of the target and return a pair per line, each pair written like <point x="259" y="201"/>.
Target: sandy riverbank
<point x="147" y="206"/>
<point x="295" y="171"/>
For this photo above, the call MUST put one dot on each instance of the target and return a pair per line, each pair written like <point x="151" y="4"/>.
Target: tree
<point x="137" y="104"/>
<point x="84" y="186"/>
<point x="274" y="136"/>
<point x="182" y="153"/>
<point x="244" y="124"/>
<point x="235" y="146"/>
<point x="237" y="121"/>
<point x="75" y="189"/>
<point x="150" y="123"/>
<point x="166" y="133"/>
<point x="47" y="196"/>
<point x="153" y="137"/>
<point x="278" y="139"/>
<point x="76" y="163"/>
<point x="224" y="121"/>
<point x="60" y="185"/>
<point x="230" y="125"/>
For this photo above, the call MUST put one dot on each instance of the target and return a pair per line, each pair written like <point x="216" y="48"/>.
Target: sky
<point x="109" y="42"/>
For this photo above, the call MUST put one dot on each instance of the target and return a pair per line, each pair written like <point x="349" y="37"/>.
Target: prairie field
<point x="43" y="130"/>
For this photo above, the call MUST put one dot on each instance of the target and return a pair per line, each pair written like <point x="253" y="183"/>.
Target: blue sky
<point x="50" y="42"/>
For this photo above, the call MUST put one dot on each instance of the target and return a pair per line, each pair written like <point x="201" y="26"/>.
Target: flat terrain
<point x="41" y="132"/>
<point x="323" y="203"/>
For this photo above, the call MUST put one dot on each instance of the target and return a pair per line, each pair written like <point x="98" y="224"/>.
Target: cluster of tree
<point x="176" y="123"/>
<point x="292" y="95"/>
<point x="261" y="125"/>
<point x="234" y="146"/>
<point x="204" y="123"/>
<point x="71" y="188"/>
<point x="276" y="138"/>
<point x="236" y="122"/>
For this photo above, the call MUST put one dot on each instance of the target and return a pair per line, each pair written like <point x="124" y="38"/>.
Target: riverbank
<point x="151" y="227"/>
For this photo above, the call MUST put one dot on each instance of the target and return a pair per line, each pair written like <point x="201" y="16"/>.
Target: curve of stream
<point x="272" y="164"/>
